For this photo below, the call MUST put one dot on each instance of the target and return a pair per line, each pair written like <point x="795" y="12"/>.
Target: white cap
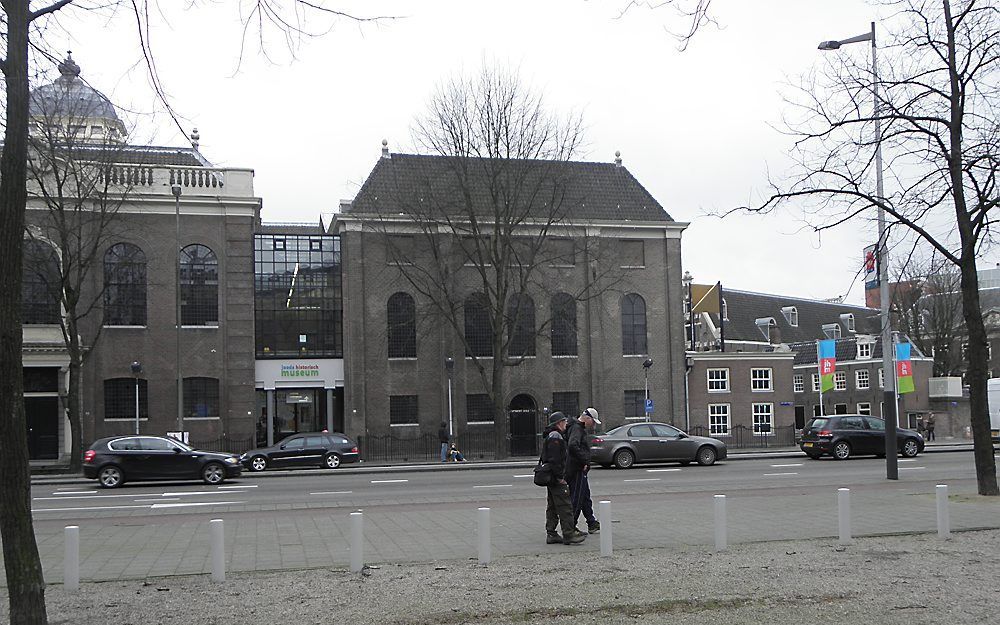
<point x="592" y="413"/>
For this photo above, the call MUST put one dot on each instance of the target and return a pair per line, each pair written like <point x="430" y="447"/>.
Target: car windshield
<point x="817" y="424"/>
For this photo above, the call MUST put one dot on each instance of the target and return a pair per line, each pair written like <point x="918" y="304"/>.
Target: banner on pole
<point x="904" y="369"/>
<point x="827" y="351"/>
<point x="870" y="267"/>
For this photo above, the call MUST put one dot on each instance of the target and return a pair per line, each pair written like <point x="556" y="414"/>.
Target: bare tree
<point x="926" y="306"/>
<point x="938" y="99"/>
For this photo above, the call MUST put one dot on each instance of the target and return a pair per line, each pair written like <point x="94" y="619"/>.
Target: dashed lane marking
<point x="333" y="492"/>
<point x="660" y="470"/>
<point x="528" y="475"/>
<point x="157" y="500"/>
<point x="644" y="479"/>
<point x="494" y="486"/>
<point x="776" y="466"/>
<point x="388" y="481"/>
<point x="911" y="468"/>
<point x="241" y="486"/>
<point x="156" y="506"/>
<point x="776" y="474"/>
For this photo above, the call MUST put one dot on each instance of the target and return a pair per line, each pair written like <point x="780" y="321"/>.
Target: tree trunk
<point x="501" y="429"/>
<point x="25" y="584"/>
<point x="73" y="403"/>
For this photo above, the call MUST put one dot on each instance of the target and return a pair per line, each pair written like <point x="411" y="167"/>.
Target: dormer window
<point x="865" y="348"/>
<point x="764" y="324"/>
<point x="831" y="330"/>
<point x="791" y="314"/>
<point x="848" y="321"/>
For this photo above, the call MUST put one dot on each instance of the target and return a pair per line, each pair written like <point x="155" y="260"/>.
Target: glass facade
<point x="298" y="296"/>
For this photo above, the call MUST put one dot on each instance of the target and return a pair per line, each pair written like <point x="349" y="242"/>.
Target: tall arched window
<point x="199" y="286"/>
<point x="401" y="316"/>
<point x="40" y="283"/>
<point x="478" y="329"/>
<point x="563" y="325"/>
<point x="521" y="321"/>
<point x="633" y="325"/>
<point x="124" y="285"/>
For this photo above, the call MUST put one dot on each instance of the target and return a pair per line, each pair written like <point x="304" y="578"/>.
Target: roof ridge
<point x="795" y="297"/>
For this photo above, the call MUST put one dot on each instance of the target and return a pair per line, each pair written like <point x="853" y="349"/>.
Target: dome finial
<point x="385" y="148"/>
<point x="195" y="139"/>
<point x="68" y="68"/>
<point x="618" y="158"/>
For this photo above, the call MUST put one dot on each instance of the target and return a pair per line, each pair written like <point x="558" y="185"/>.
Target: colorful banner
<point x="904" y="369"/>
<point x="827" y="352"/>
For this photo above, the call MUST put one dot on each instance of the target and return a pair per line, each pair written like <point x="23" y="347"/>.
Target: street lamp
<point x="645" y="370"/>
<point x="687" y="280"/>
<point x="449" y="365"/>
<point x="136" y="371"/>
<point x="175" y="188"/>
<point x="888" y="345"/>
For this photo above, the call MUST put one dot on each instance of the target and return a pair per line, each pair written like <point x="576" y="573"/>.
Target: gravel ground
<point x="911" y="579"/>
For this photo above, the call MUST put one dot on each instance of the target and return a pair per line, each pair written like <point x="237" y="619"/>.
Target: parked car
<point x="308" y="449"/>
<point x="114" y="460"/>
<point x="843" y="436"/>
<point x="653" y="442"/>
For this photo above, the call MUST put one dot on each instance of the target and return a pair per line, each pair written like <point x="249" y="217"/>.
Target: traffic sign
<point x="649" y="406"/>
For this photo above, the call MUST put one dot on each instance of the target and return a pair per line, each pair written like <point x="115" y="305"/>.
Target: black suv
<point x="846" y="435"/>
<point x="308" y="449"/>
<point x="113" y="460"/>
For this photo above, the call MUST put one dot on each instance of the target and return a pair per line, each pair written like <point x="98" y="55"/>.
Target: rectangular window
<point x="760" y="380"/>
<point x="881" y="378"/>
<point x="634" y="405"/>
<point x="763" y="419"/>
<point x="279" y="245"/>
<point x="840" y="381"/>
<point x="567" y="402"/>
<point x="862" y="379"/>
<point x="201" y="398"/>
<point x="718" y="380"/>
<point x="633" y="253"/>
<point x="864" y="350"/>
<point x="840" y="409"/>
<point x="119" y="399"/>
<point x="478" y="408"/>
<point x="816" y="410"/>
<point x="718" y="419"/>
<point x="815" y="380"/>
<point x="864" y="408"/>
<point x="798" y="383"/>
<point x="403" y="410"/>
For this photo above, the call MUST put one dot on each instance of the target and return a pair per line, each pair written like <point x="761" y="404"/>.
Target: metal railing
<point x="743" y="437"/>
<point x="478" y="443"/>
<point x="227" y="444"/>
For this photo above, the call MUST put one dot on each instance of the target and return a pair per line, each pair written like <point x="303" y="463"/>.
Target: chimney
<point x="618" y="158"/>
<point x="385" y="149"/>
<point x="195" y="139"/>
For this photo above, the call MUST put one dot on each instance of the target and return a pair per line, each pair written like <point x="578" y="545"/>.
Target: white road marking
<point x="239" y="486"/>
<point x="388" y="481"/>
<point x="192" y="493"/>
<point x="93" y="497"/>
<point x="528" y="475"/>
<point x="660" y="470"/>
<point x="334" y="492"/>
<point x="645" y="479"/>
<point x="70" y="490"/>
<point x="911" y="468"/>
<point x="87" y="508"/>
<point x="156" y="500"/>
<point x="495" y="486"/>
<point x="773" y="474"/>
<point x="907" y="460"/>
<point x="199" y="503"/>
<point x="799" y="464"/>
<point x="77" y="492"/>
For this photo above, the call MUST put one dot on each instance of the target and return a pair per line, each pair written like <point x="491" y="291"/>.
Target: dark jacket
<point x="554" y="453"/>
<point x="443" y="435"/>
<point x="578" y="446"/>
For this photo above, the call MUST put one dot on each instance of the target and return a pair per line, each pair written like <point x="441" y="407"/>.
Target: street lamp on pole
<point x="175" y="188"/>
<point x="888" y="345"/>
<point x="687" y="279"/>
<point x="136" y="372"/>
<point x="449" y="365"/>
<point x="645" y="370"/>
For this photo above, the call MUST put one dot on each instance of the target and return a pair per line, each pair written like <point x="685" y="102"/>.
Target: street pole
<point x="646" y="364"/>
<point x="175" y="188"/>
<point x="136" y="370"/>
<point x="449" y="364"/>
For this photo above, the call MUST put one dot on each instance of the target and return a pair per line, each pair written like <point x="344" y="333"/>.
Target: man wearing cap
<point x="578" y="465"/>
<point x="559" y="508"/>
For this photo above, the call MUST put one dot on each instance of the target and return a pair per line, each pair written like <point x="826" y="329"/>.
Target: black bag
<point x="543" y="474"/>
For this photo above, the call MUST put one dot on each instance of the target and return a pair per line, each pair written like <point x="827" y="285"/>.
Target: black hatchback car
<point x="843" y="436"/>
<point x="113" y="460"/>
<point x="308" y="449"/>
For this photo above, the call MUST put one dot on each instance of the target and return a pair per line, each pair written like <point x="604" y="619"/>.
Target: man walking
<point x="578" y="466"/>
<point x="559" y="508"/>
<point x="930" y="426"/>
<point x="445" y="439"/>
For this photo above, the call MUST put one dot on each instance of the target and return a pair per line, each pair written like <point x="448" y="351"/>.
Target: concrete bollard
<point x="604" y="516"/>
<point x="484" y="536"/>
<point x="71" y="562"/>
<point x="357" y="542"/>
<point x="218" y="535"/>
<point x="943" y="520"/>
<point x="844" y="514"/>
<point x="720" y="522"/>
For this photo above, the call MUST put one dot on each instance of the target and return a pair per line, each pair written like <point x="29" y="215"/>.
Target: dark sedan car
<point x="843" y="436"/>
<point x="113" y="460"/>
<point x="653" y="442"/>
<point x="309" y="449"/>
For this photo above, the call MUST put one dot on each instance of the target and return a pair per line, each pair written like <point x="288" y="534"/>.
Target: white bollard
<point x="71" y="563"/>
<point x="604" y="516"/>
<point x="720" y="522"/>
<point x="484" y="536"/>
<point x="217" y="531"/>
<point x="844" y="514"/>
<point x="357" y="542"/>
<point x="943" y="521"/>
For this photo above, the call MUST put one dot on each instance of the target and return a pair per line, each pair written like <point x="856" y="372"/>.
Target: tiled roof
<point x="153" y="155"/>
<point x="585" y="191"/>
<point x="805" y="353"/>
<point x="745" y="307"/>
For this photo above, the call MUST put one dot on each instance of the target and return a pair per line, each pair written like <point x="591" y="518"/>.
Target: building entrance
<point x="299" y="410"/>
<point x="523" y="418"/>
<point x="42" y="415"/>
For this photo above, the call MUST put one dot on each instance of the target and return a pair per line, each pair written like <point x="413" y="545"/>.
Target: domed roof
<point x="69" y="96"/>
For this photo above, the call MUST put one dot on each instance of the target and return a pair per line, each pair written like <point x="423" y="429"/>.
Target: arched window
<point x="521" y="321"/>
<point x="40" y="284"/>
<point x="199" y="286"/>
<point x="119" y="398"/>
<point x="401" y="316"/>
<point x="563" y="325"/>
<point x="478" y="329"/>
<point x="124" y="286"/>
<point x="201" y="398"/>
<point x="633" y="325"/>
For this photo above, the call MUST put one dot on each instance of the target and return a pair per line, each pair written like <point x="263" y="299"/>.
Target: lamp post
<point x="449" y="365"/>
<point x="136" y="371"/>
<point x="888" y="345"/>
<point x="175" y="188"/>
<point x="687" y="280"/>
<point x="646" y="364"/>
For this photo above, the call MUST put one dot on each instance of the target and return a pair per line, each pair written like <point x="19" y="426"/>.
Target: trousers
<point x="559" y="509"/>
<point x="579" y="492"/>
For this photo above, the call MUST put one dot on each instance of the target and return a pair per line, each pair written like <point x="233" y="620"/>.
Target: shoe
<point x="574" y="538"/>
<point x="593" y="528"/>
<point x="552" y="538"/>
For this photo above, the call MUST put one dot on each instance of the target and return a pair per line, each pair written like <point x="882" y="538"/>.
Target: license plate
<point x="807" y="444"/>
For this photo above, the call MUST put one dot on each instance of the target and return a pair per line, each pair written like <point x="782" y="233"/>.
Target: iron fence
<point x="228" y="444"/>
<point x="475" y="443"/>
<point x="743" y="437"/>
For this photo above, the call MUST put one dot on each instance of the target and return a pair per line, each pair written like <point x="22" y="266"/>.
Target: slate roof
<point x="590" y="191"/>
<point x="805" y="353"/>
<point x="153" y="155"/>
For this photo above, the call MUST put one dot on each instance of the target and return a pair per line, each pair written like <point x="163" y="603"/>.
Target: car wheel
<point x="910" y="448"/>
<point x="706" y="456"/>
<point x="842" y="450"/>
<point x="331" y="461"/>
<point x="258" y="463"/>
<point x="110" y="476"/>
<point x="213" y="473"/>
<point x="624" y="458"/>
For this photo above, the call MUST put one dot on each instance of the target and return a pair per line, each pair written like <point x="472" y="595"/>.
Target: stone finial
<point x="195" y="138"/>
<point x="385" y="148"/>
<point x="68" y="68"/>
<point x="618" y="158"/>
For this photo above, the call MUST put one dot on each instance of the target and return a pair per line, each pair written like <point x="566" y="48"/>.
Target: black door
<point x="523" y="420"/>
<point x="800" y="417"/>
<point x="43" y="427"/>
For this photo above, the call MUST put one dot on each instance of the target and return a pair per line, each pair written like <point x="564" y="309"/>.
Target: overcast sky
<point x="697" y="128"/>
